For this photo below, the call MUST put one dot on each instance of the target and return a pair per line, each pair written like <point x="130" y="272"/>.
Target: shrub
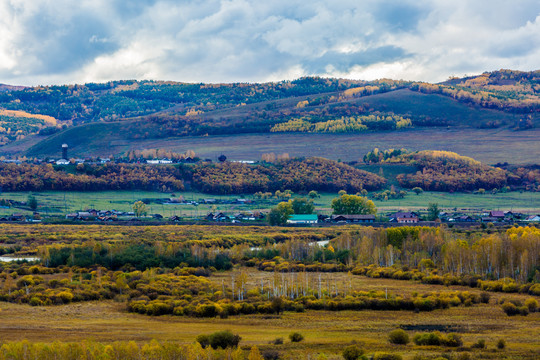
<point x="484" y="297"/>
<point x="432" y="338"/>
<point x="207" y="310"/>
<point x="399" y="337"/>
<point x="352" y="352"/>
<point x="296" y="337"/>
<point x="270" y="354"/>
<point x="480" y="344"/>
<point x="531" y="304"/>
<point x="204" y="340"/>
<point x="453" y="340"/>
<point x="523" y="310"/>
<point x="277" y="341"/>
<point x="65" y="296"/>
<point x="386" y="356"/>
<point x="510" y="309"/>
<point x="501" y="344"/>
<point x="535" y="289"/>
<point x="224" y="339"/>
<point x="34" y="301"/>
<point x="220" y="339"/>
<point x="510" y="287"/>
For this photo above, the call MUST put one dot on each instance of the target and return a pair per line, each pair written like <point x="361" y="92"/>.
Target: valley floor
<point x="325" y="332"/>
<point x="59" y="203"/>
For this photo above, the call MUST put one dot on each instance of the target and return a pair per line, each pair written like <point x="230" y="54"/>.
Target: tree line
<point x="224" y="178"/>
<point x="344" y="124"/>
<point x="294" y="174"/>
<point x="86" y="177"/>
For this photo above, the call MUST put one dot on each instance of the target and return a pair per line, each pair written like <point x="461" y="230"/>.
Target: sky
<point x="46" y="42"/>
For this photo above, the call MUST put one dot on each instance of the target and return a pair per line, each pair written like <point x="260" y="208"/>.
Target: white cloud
<point x="247" y="40"/>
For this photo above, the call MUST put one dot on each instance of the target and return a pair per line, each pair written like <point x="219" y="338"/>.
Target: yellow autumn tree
<point x="254" y="354"/>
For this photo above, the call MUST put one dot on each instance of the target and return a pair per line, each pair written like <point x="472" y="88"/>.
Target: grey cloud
<point x="249" y="40"/>
<point x="342" y="62"/>
<point x="402" y="15"/>
<point x="504" y="14"/>
<point x="74" y="45"/>
<point x="514" y="49"/>
<point x="53" y="43"/>
<point x="130" y="9"/>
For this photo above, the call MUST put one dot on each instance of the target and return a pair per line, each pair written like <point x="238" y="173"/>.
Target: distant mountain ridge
<point x="4" y="87"/>
<point x="164" y="109"/>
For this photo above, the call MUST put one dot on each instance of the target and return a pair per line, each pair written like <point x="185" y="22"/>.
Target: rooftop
<point x="304" y="217"/>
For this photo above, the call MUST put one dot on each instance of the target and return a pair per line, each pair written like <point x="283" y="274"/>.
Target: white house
<point x="533" y="218"/>
<point x="62" y="162"/>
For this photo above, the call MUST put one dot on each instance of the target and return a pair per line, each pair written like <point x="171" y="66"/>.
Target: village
<point x="495" y="217"/>
<point x="248" y="209"/>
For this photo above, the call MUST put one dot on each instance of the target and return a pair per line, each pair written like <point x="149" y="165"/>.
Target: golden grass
<point x="17" y="113"/>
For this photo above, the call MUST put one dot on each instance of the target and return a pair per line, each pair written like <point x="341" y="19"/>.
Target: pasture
<point x="63" y="202"/>
<point x="482" y="144"/>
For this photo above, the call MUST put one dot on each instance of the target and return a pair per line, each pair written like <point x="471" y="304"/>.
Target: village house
<point x="464" y="218"/>
<point x="217" y="217"/>
<point x="107" y="218"/>
<point x="494" y="216"/>
<point x="17" y="217"/>
<point x="404" y="217"/>
<point x="62" y="162"/>
<point x="303" y="219"/>
<point x="353" y="218"/>
<point x="159" y="161"/>
<point x="244" y="216"/>
<point x="497" y="214"/>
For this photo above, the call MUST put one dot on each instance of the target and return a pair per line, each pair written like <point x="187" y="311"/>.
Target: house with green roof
<point x="303" y="219"/>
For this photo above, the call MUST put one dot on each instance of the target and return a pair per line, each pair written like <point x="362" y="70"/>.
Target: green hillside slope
<point x="125" y="115"/>
<point x="435" y="109"/>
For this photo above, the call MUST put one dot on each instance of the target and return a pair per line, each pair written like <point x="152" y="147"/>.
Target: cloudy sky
<point x="68" y="41"/>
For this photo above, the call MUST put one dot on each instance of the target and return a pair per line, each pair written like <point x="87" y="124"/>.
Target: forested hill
<point x="159" y="109"/>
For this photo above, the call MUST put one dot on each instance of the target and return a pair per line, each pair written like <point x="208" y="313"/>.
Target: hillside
<point x="101" y="116"/>
<point x="520" y="147"/>
<point x="427" y="108"/>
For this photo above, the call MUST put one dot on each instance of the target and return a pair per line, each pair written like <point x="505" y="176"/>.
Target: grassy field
<point x="325" y="332"/>
<point x="61" y="203"/>
<point x="515" y="201"/>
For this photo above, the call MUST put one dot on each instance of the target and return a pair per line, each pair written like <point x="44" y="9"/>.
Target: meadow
<point x="325" y="332"/>
<point x="59" y="203"/>
<point x="92" y="284"/>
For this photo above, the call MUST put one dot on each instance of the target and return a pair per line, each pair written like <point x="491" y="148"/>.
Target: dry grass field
<point x="483" y="145"/>
<point x="520" y="147"/>
<point x="325" y="332"/>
